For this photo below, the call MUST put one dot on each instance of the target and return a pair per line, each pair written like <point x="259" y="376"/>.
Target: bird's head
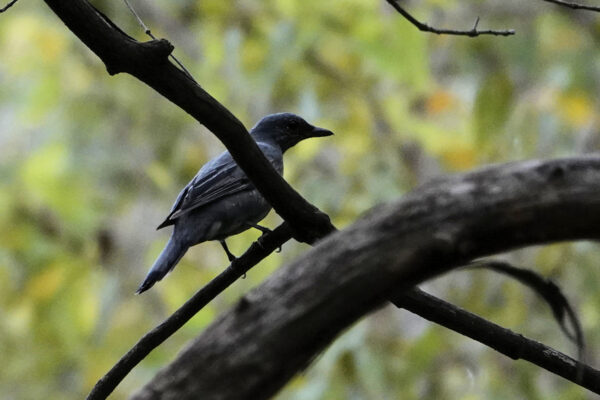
<point x="286" y="130"/>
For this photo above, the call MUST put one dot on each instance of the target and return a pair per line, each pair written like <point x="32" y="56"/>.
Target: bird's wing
<point x="212" y="187"/>
<point x="219" y="178"/>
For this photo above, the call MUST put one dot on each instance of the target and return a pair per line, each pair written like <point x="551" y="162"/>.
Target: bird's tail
<point x="165" y="262"/>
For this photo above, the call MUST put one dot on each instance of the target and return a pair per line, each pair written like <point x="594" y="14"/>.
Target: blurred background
<point x="90" y="165"/>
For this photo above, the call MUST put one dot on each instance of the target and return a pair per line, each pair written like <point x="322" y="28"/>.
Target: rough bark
<point x="278" y="328"/>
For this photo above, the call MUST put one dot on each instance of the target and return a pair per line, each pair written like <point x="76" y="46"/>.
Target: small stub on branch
<point x="473" y="32"/>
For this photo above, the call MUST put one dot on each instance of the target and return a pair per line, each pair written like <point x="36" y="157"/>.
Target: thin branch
<point x="260" y="249"/>
<point x="559" y="304"/>
<point x="503" y="340"/>
<point x="574" y="6"/>
<point x="9" y="5"/>
<point x="149" y="33"/>
<point x="473" y="32"/>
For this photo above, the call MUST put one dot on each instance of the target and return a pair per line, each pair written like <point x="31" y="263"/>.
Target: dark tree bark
<point x="277" y="329"/>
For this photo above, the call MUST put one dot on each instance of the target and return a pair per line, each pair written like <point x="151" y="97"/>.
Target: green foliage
<point x="89" y="165"/>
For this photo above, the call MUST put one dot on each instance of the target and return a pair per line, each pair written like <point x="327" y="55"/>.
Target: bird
<point x="220" y="201"/>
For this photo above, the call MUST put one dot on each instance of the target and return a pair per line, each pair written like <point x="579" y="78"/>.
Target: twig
<point x="574" y="6"/>
<point x="554" y="297"/>
<point x="9" y="5"/>
<point x="503" y="340"/>
<point x="149" y="33"/>
<point x="473" y="32"/>
<point x="268" y="243"/>
<point x="559" y="304"/>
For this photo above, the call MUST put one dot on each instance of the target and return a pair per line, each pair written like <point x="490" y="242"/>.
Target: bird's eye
<point x="293" y="124"/>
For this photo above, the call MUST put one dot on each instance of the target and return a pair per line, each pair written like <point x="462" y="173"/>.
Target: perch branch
<point x="256" y="253"/>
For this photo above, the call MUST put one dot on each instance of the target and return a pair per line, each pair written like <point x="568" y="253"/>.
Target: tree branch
<point x="256" y="253"/>
<point x="423" y="27"/>
<point x="148" y="32"/>
<point x="498" y="338"/>
<point x="251" y="351"/>
<point x="574" y="6"/>
<point x="9" y="5"/>
<point x="149" y="63"/>
<point x="564" y="314"/>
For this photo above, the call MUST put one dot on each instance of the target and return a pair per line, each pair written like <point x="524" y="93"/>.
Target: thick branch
<point x="149" y="63"/>
<point x="277" y="329"/>
<point x="498" y="338"/>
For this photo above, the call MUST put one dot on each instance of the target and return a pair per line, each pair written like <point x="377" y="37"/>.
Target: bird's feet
<point x="260" y="241"/>
<point x="264" y="231"/>
<point x="261" y="228"/>
<point x="232" y="259"/>
<point x="230" y="255"/>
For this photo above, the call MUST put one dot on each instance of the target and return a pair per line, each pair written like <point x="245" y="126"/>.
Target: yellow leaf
<point x="44" y="169"/>
<point x="33" y="40"/>
<point x="577" y="109"/>
<point x="44" y="285"/>
<point x="18" y="320"/>
<point x="439" y="102"/>
<point x="159" y="175"/>
<point x="460" y="158"/>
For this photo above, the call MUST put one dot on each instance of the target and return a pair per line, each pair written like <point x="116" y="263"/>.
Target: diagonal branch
<point x="559" y="304"/>
<point x="256" y="253"/>
<point x="148" y="32"/>
<point x="574" y="6"/>
<point x="149" y="63"/>
<point x="9" y="5"/>
<point x="503" y="340"/>
<point x="473" y="32"/>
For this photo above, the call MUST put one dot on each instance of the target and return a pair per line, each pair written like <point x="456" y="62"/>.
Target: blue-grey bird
<point x="221" y="201"/>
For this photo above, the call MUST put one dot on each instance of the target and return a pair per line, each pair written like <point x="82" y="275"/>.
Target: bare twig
<point x="473" y="32"/>
<point x="503" y="340"/>
<point x="559" y="304"/>
<point x="574" y="6"/>
<point x="9" y="5"/>
<point x="149" y="33"/>
<point x="268" y="243"/>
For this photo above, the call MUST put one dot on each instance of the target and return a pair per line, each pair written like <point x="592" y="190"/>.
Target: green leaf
<point x="493" y="106"/>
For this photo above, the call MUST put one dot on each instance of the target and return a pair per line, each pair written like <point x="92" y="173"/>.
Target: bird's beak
<point x="319" y="132"/>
